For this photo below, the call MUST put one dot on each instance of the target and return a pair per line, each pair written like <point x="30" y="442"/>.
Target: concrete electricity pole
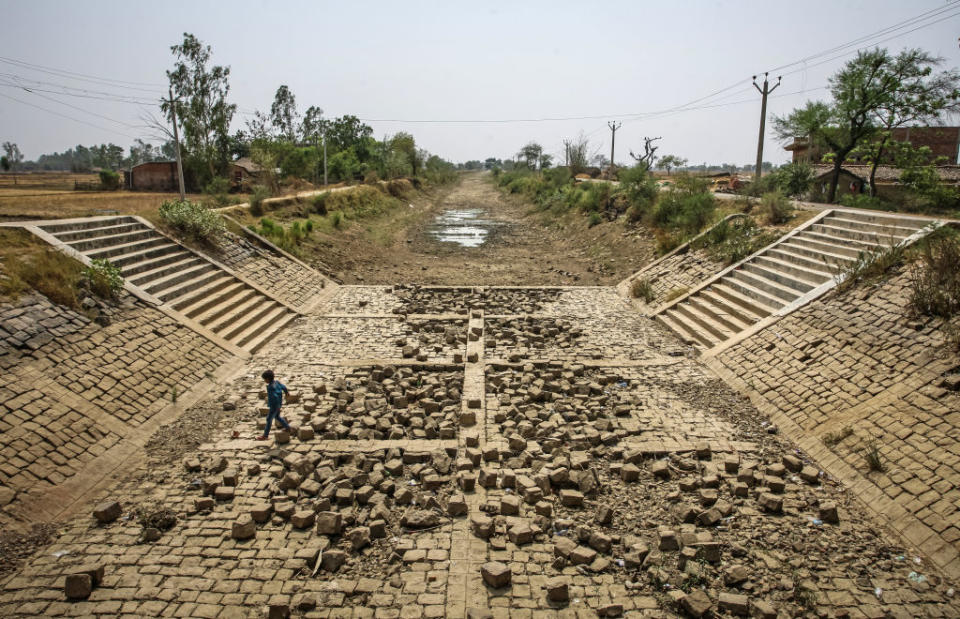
<point x="176" y="142"/>
<point x="324" y="158"/>
<point x="766" y="90"/>
<point x="613" y="137"/>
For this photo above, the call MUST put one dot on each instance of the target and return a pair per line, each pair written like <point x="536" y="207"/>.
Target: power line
<point x="77" y="95"/>
<point x="83" y="122"/>
<point x="38" y="84"/>
<point x="79" y="109"/>
<point x="893" y="28"/>
<point x="80" y="76"/>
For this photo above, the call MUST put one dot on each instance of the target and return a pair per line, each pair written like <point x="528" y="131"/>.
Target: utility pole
<point x="324" y="158"/>
<point x="613" y="137"/>
<point x="176" y="142"/>
<point x="766" y="90"/>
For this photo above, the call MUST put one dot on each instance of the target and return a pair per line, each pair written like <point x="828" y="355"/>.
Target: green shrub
<point x="687" y="208"/>
<point x="109" y="180"/>
<point x="775" y="209"/>
<point x="193" y="220"/>
<point x="794" y="179"/>
<point x="337" y="219"/>
<point x="862" y="200"/>
<point x="733" y="240"/>
<point x="104" y="278"/>
<point x="260" y="193"/>
<point x="218" y="188"/>
<point x="595" y="219"/>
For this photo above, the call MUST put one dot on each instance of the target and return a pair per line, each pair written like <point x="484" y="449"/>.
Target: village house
<point x="942" y="141"/>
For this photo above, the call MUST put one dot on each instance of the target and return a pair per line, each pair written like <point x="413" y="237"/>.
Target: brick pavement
<point x="626" y="476"/>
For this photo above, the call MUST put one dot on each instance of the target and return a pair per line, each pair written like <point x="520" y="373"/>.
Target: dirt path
<point x="521" y="249"/>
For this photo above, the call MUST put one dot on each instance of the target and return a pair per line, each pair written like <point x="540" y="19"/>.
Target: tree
<point x="668" y="162"/>
<point x="921" y="98"/>
<point x="647" y="159"/>
<point x="544" y="161"/>
<point x="283" y="114"/>
<point x="869" y="92"/>
<point x="142" y="152"/>
<point x="313" y="125"/>
<point x="347" y="131"/>
<point x="13" y="155"/>
<point x="530" y="153"/>
<point x="200" y="101"/>
<point x="404" y="143"/>
<point x="5" y="163"/>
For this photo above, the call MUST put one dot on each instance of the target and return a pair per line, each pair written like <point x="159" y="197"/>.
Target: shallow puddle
<point x="465" y="227"/>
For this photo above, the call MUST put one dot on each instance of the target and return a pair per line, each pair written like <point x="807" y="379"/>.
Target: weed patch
<point x="870" y="266"/>
<point x="104" y="278"/>
<point x="731" y="241"/>
<point x="641" y="289"/>
<point x="935" y="279"/>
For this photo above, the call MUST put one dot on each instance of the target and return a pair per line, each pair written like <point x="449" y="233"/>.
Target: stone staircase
<point x="182" y="279"/>
<point x="794" y="270"/>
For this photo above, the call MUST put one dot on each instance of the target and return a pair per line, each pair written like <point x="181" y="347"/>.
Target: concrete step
<point x="867" y="226"/>
<point x="816" y="247"/>
<point x="117" y="251"/>
<point x="708" y="303"/>
<point x="131" y="269"/>
<point x="794" y="268"/>
<point x="187" y="262"/>
<point x="171" y="280"/>
<point x="826" y="260"/>
<point x="198" y="295"/>
<point x="189" y="285"/>
<point x="261" y="339"/>
<point x="228" y="299"/>
<point x="139" y="256"/>
<point x="268" y="321"/>
<point x="761" y="301"/>
<point x="88" y="233"/>
<point x="873" y="238"/>
<point x="746" y="309"/>
<point x="771" y="288"/>
<point x="254" y="315"/>
<point x="887" y="219"/>
<point x="228" y="321"/>
<point x="851" y="247"/>
<point x="683" y="330"/>
<point x="86" y="245"/>
<point x="87" y="224"/>
<point x="792" y="282"/>
<point x="703" y="320"/>
<point x="212" y="299"/>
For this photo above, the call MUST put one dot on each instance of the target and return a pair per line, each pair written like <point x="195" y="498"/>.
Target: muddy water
<point x="464" y="227"/>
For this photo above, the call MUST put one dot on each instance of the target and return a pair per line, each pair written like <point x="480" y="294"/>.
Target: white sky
<point x="459" y="61"/>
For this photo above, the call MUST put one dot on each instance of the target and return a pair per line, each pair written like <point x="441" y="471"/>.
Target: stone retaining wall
<point x="73" y="389"/>
<point x="855" y="370"/>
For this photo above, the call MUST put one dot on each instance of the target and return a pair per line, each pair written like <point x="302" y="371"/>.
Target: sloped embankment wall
<point x="73" y="391"/>
<point x="855" y="370"/>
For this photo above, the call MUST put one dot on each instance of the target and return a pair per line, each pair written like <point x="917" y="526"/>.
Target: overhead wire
<point x="68" y="117"/>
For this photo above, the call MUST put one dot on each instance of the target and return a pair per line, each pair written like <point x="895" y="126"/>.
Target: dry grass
<point x="65" y="204"/>
<point x="28" y="263"/>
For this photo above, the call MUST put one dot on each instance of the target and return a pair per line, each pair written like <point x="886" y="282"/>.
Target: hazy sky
<point x="458" y="61"/>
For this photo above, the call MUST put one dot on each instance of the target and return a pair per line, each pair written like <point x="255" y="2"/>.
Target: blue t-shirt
<point x="275" y="394"/>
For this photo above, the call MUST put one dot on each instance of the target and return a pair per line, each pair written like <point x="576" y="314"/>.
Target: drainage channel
<point x="464" y="227"/>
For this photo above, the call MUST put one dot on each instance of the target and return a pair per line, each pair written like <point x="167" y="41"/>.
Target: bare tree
<point x="647" y="159"/>
<point x="577" y="153"/>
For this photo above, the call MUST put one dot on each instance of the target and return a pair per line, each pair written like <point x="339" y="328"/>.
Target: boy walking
<point x="275" y="391"/>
